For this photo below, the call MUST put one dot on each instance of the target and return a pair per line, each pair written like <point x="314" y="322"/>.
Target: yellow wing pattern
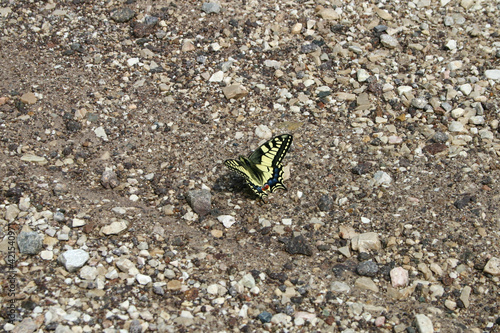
<point x="263" y="170"/>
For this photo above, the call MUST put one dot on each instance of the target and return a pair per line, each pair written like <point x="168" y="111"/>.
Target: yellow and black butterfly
<point x="263" y="170"/>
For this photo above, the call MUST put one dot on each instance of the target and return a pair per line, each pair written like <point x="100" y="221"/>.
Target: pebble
<point x="366" y="242"/>
<point x="73" y="260"/>
<point x="88" y="273"/>
<point x="493" y="266"/>
<point x="456" y="126"/>
<point x="399" y="277"/>
<point x="200" y="201"/>
<point x="381" y="178"/>
<point x="492" y="74"/>
<point x="115" y="227"/>
<point x="217" y="77"/>
<point x="367" y="268"/>
<point x="419" y="103"/>
<point x="29" y="242"/>
<point x="226" y="220"/>
<point x="211" y="7"/>
<point x="11" y="212"/>
<point x="34" y="158"/>
<point x="28" y="98"/>
<point x="366" y="283"/>
<point x="143" y="279"/>
<point x="101" y="133"/>
<point x="109" y="179"/>
<point x="423" y="323"/>
<point x="340" y="287"/>
<point x="122" y="15"/>
<point x="298" y="245"/>
<point x="362" y="75"/>
<point x="235" y="91"/>
<point x="389" y="41"/>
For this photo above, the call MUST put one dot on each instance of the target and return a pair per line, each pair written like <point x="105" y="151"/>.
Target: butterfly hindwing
<point x="263" y="170"/>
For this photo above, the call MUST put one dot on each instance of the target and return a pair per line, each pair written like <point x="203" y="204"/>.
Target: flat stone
<point x="28" y="98"/>
<point x="328" y="14"/>
<point x="456" y="126"/>
<point x="464" y="296"/>
<point x="389" y="41"/>
<point x="424" y="324"/>
<point x="115" y="227"/>
<point x="492" y="74"/>
<point x="366" y="283"/>
<point x="366" y="242"/>
<point x="211" y="8"/>
<point x="34" y="158"/>
<point x="493" y="266"/>
<point x="73" y="259"/>
<point x="235" y="91"/>
<point x="88" y="273"/>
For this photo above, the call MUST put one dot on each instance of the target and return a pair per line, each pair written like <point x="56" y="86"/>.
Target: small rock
<point x="419" y="102"/>
<point x="325" y="203"/>
<point x="361" y="168"/>
<point x="174" y="285"/>
<point x="265" y="317"/>
<point x="388" y="41"/>
<point x="439" y="137"/>
<point x="366" y="242"/>
<point x="115" y="227"/>
<point x="88" y="273"/>
<point x="381" y="178"/>
<point x="298" y="245"/>
<point x="200" y="201"/>
<point x="464" y="296"/>
<point x="399" y="277"/>
<point x="143" y="279"/>
<point x="456" y="126"/>
<point x="362" y="75"/>
<point x="424" y="324"/>
<point x="11" y="212"/>
<point x="34" y="158"/>
<point x="466" y="89"/>
<point x="493" y="266"/>
<point x="297" y="28"/>
<point x="101" y="133"/>
<point x="340" y="287"/>
<point x="73" y="259"/>
<point x="235" y="91"/>
<point x="328" y="14"/>
<point x="435" y="148"/>
<point x="75" y="223"/>
<point x="451" y="45"/>
<point x="188" y="46"/>
<point x="28" y="325"/>
<point x="367" y="268"/>
<point x="464" y="201"/>
<point x="263" y="132"/>
<point x="122" y="15"/>
<point x="109" y="179"/>
<point x="29" y="242"/>
<point x="247" y="281"/>
<point x="366" y="284"/>
<point x="226" y="220"/>
<point x="217" y="77"/>
<point x="211" y="8"/>
<point x="28" y="98"/>
<point x="492" y="74"/>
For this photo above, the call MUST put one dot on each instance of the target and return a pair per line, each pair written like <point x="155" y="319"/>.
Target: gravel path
<point x="118" y="214"/>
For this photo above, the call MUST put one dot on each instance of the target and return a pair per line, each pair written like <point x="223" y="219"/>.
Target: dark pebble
<point x="440" y="137"/>
<point x="361" y="168"/>
<point x="464" y="201"/>
<point x="435" y="148"/>
<point x="380" y="28"/>
<point x="265" y="317"/>
<point x="308" y="48"/>
<point x="367" y="268"/>
<point x="325" y="203"/>
<point x="298" y="245"/>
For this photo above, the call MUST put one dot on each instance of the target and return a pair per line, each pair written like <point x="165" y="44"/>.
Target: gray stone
<point x="29" y="242"/>
<point x="122" y="15"/>
<point x="211" y="8"/>
<point x="200" y="201"/>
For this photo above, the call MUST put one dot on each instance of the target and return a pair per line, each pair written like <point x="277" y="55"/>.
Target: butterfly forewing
<point x="273" y="151"/>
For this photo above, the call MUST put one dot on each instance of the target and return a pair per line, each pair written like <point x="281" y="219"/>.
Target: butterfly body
<point x="262" y="169"/>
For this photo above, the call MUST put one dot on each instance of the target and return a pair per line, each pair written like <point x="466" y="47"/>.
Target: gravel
<point x="116" y="118"/>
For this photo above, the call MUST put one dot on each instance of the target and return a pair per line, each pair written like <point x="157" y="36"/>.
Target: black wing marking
<point x="272" y="152"/>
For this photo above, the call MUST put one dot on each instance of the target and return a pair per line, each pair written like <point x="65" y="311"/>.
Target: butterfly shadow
<point x="232" y="182"/>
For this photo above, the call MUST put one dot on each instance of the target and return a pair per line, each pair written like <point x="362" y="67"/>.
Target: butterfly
<point x="262" y="169"/>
